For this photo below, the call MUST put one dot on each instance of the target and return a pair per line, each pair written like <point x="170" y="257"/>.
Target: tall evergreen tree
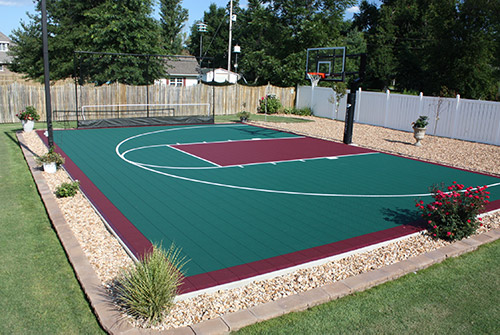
<point x="172" y="19"/>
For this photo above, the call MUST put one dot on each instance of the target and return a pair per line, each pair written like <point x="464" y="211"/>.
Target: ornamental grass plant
<point x="147" y="290"/>
<point x="453" y="213"/>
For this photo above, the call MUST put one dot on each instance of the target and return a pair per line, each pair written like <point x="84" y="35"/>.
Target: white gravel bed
<point x="108" y="258"/>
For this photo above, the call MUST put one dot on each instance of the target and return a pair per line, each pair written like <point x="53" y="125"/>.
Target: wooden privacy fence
<point x="226" y="99"/>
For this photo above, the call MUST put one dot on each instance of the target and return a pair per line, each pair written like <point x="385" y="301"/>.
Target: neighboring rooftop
<point x="183" y="66"/>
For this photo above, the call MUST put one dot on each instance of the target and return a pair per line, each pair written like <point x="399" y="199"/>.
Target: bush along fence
<point x="232" y="99"/>
<point x="464" y="119"/>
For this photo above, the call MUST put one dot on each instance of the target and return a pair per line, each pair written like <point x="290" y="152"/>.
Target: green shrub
<point x="302" y="111"/>
<point x="148" y="289"/>
<point x="453" y="214"/>
<point x="269" y="103"/>
<point x="68" y="189"/>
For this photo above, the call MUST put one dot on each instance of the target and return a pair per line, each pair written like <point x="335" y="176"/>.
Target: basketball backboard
<point x="328" y="61"/>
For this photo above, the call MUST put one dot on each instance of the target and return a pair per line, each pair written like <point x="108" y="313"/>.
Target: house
<point x="218" y="75"/>
<point x="181" y="71"/>
<point x="5" y="59"/>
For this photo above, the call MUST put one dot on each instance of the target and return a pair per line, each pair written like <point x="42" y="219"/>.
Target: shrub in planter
<point x="68" y="189"/>
<point x="50" y="157"/>
<point x="421" y="122"/>
<point x="147" y="290"/>
<point x="28" y="114"/>
<point x="244" y="116"/>
<point x="269" y="103"/>
<point x="453" y="213"/>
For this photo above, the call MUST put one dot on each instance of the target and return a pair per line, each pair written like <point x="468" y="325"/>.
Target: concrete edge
<point x="112" y="322"/>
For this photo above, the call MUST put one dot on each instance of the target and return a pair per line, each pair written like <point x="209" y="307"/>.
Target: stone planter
<point x="50" y="167"/>
<point x="28" y="125"/>
<point x="419" y="134"/>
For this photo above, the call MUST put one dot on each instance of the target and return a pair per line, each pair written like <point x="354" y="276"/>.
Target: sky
<point x="12" y="12"/>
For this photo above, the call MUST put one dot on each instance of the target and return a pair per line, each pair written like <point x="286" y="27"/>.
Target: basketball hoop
<point x="315" y="77"/>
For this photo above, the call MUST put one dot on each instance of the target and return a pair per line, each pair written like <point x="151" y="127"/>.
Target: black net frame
<point x="143" y="70"/>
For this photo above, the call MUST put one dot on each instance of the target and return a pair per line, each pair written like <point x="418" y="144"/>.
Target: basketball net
<point x="315" y="77"/>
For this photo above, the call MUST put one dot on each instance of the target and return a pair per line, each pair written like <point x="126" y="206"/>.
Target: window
<point x="4" y="46"/>
<point x="176" y="82"/>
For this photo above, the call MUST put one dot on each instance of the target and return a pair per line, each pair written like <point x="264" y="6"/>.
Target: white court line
<point x="198" y="157"/>
<point x="237" y="141"/>
<point x="217" y="166"/>
<point x="117" y="150"/>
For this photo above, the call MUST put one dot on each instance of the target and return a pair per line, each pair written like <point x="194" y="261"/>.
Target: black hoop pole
<point x="349" y="117"/>
<point x="46" y="74"/>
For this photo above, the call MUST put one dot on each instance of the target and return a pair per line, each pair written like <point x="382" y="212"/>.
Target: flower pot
<point x="419" y="134"/>
<point x="28" y="125"/>
<point x="50" y="167"/>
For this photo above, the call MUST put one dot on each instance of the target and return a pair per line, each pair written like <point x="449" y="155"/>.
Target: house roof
<point x="4" y="38"/>
<point x="183" y="65"/>
<point x="4" y="58"/>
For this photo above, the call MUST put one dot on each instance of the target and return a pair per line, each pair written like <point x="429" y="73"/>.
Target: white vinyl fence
<point x="464" y="119"/>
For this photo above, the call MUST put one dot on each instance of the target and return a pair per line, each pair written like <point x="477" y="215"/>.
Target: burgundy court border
<point x="138" y="244"/>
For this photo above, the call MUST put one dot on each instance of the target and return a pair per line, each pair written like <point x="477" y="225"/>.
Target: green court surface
<point x="223" y="217"/>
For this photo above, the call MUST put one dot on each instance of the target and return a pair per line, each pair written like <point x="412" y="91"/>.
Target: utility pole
<point x="230" y="41"/>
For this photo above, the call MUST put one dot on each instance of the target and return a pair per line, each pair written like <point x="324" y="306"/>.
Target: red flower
<point x="429" y="222"/>
<point x="448" y="233"/>
<point x="435" y="227"/>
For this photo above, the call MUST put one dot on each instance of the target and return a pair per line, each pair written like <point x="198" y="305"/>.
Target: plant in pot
<point x="244" y="116"/>
<point x="50" y="161"/>
<point x="419" y="127"/>
<point x="28" y="116"/>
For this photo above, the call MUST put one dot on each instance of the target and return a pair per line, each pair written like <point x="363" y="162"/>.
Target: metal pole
<point x="201" y="45"/>
<point x="76" y="86"/>
<point x="230" y="42"/>
<point x="349" y="117"/>
<point x="46" y="73"/>
<point x="147" y="86"/>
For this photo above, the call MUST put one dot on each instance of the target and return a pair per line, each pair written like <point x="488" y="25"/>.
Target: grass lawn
<point x="259" y="117"/>
<point x="39" y="293"/>
<point x="458" y="296"/>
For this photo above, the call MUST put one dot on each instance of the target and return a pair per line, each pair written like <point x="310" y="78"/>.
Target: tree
<point x="96" y="25"/>
<point x="172" y="18"/>
<point x="215" y="39"/>
<point x="124" y="27"/>
<point x="433" y="46"/>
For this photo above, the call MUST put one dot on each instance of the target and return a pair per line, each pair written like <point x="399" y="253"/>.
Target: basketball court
<point x="242" y="201"/>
